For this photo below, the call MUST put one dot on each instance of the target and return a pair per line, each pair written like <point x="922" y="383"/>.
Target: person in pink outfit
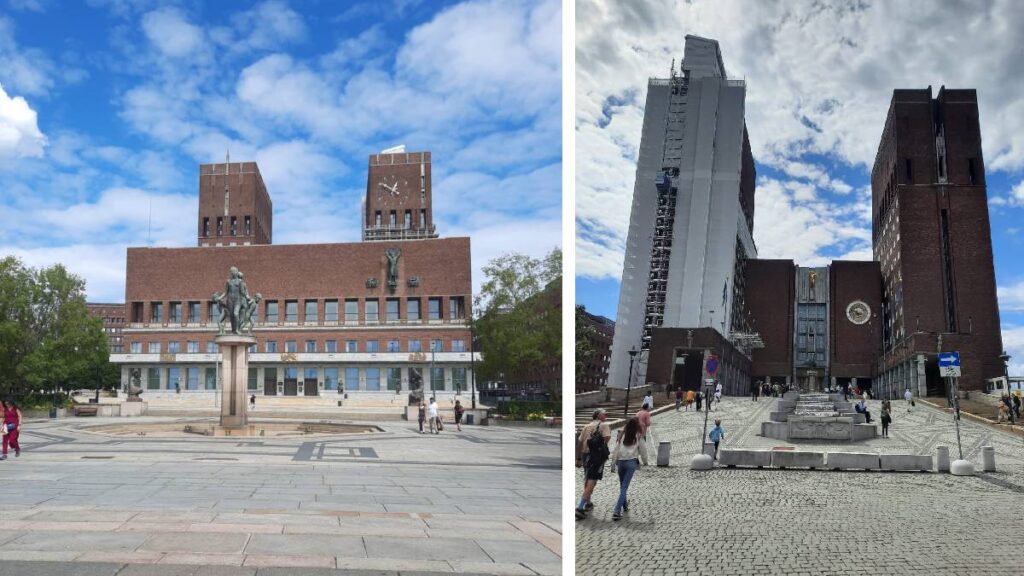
<point x="12" y="422"/>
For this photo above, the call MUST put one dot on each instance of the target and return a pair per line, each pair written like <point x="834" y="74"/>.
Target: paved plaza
<point x="743" y="521"/>
<point x="485" y="500"/>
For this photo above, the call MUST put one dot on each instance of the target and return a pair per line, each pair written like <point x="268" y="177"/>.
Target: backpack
<point x="598" y="448"/>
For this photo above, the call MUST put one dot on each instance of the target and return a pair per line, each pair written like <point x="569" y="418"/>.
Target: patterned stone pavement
<point x="734" y="521"/>
<point x="485" y="500"/>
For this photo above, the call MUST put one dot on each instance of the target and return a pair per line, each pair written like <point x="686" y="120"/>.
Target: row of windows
<point x="311" y="310"/>
<point x="233" y="223"/>
<point x="330" y="346"/>
<point x="334" y="378"/>
<point x="393" y="219"/>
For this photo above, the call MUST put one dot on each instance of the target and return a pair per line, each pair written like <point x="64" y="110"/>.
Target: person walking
<point x="435" y="424"/>
<point x="909" y="398"/>
<point x="886" y="417"/>
<point x="754" y="388"/>
<point x="630" y="451"/>
<point x="422" y="416"/>
<point x="718" y="395"/>
<point x="252" y="402"/>
<point x="591" y="454"/>
<point x="459" y="411"/>
<point x="1016" y="404"/>
<point x="700" y="399"/>
<point x="716" y="435"/>
<point x="689" y="399"/>
<point x="12" y="423"/>
<point x="679" y="398"/>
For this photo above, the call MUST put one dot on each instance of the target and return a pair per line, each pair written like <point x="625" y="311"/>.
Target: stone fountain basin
<point x="278" y="429"/>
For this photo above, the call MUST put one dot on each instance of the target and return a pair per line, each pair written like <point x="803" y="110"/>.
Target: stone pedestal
<point x="988" y="459"/>
<point x="234" y="372"/>
<point x="942" y="458"/>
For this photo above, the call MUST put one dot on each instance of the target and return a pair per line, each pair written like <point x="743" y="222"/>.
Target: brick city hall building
<point x="387" y="315"/>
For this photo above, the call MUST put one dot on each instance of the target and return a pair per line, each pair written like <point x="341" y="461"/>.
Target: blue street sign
<point x="949" y="359"/>
<point x="712" y="366"/>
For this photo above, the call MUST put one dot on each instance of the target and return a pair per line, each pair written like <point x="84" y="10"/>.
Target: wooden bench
<point x="86" y="410"/>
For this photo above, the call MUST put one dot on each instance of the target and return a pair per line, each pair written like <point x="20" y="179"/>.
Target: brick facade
<point x="854" y="348"/>
<point x="398" y="197"/>
<point x="114" y="320"/>
<point x="248" y="216"/>
<point x="770" y="303"/>
<point x="595" y="371"/>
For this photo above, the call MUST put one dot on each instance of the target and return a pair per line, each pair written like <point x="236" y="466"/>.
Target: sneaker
<point x="580" y="514"/>
<point x="625" y="506"/>
<point x="590" y="506"/>
<point x="617" y="516"/>
<point x="17" y="453"/>
<point x="4" y="457"/>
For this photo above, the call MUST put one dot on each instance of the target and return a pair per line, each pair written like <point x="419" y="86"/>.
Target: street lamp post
<point x="629" y="382"/>
<point x="472" y="364"/>
<point x="1006" y="374"/>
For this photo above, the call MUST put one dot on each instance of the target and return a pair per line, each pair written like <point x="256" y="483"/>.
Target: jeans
<point x="626" y="468"/>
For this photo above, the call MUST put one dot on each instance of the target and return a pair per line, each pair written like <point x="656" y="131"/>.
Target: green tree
<point x="584" y="335"/>
<point x="48" y="340"/>
<point x="518" y="319"/>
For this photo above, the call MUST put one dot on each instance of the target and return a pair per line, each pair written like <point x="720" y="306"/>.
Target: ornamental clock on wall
<point x="390" y="187"/>
<point x="858" y="312"/>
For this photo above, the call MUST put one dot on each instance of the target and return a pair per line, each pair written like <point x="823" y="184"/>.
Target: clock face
<point x="389" y="186"/>
<point x="858" y="312"/>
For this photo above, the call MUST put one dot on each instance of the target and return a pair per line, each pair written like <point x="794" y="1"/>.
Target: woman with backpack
<point x="886" y="418"/>
<point x="630" y="451"/>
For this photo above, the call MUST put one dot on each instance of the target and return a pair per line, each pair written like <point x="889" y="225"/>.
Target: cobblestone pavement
<point x="486" y="500"/>
<point x="736" y="521"/>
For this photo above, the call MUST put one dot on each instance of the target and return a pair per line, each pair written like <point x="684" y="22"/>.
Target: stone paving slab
<point x="425" y="549"/>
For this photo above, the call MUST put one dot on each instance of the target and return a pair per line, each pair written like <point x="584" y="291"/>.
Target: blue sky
<point x="107" y="107"/>
<point x="819" y="80"/>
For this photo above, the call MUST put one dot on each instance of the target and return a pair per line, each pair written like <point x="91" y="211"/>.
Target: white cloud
<point x="172" y="33"/>
<point x="270" y="24"/>
<point x="23" y="70"/>
<point x="1011" y="297"/>
<point x="19" y="129"/>
<point x="101" y="265"/>
<point x="1013" y="343"/>
<point x="127" y="214"/>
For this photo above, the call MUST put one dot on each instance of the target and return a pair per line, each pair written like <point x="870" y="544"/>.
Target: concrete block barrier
<point x="796" y="459"/>
<point x="778" y="416"/>
<point x="777" y="430"/>
<point x="751" y="458"/>
<point x="906" y="462"/>
<point x="852" y="461"/>
<point x="864" y="431"/>
<point x="942" y="458"/>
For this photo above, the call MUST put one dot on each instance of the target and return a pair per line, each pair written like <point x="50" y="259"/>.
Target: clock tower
<point x="398" y="201"/>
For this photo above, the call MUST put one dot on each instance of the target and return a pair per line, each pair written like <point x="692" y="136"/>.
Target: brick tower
<point x="930" y="231"/>
<point x="234" y="207"/>
<point x="398" y="196"/>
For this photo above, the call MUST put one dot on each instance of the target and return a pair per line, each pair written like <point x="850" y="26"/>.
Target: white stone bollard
<point x="701" y="462"/>
<point x="988" y="459"/>
<point x="942" y="459"/>
<point x="664" y="449"/>
<point x="961" y="468"/>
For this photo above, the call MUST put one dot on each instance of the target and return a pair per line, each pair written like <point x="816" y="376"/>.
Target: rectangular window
<point x="234" y="226"/>
<point x="423" y="219"/>
<point x="289" y="346"/>
<point x="220" y="225"/>
<point x="154" y="347"/>
<point x="173" y="347"/>
<point x="211" y="347"/>
<point x="253" y="378"/>
<point x="137" y="312"/>
<point x="373" y="378"/>
<point x="971" y="174"/>
<point x="331" y="311"/>
<point x="436" y="345"/>
<point x="210" y="379"/>
<point x="291" y="374"/>
<point x="392" y="309"/>
<point x="206" y="227"/>
<point x="392" y="219"/>
<point x="194" y="312"/>
<point x="412" y="309"/>
<point x="158" y="311"/>
<point x="269" y="376"/>
<point x="248" y="226"/>
<point x="458" y="345"/>
<point x="371" y="312"/>
<point x="459" y="379"/>
<point x="310" y="345"/>
<point x="376" y="219"/>
<point x="271" y="346"/>
<point x="136" y="347"/>
<point x="153" y="379"/>
<point x="437" y="378"/>
<point x="909" y="171"/>
<point x="393" y="346"/>
<point x="408" y="219"/>
<point x="311" y="315"/>
<point x="351" y="378"/>
<point x="175" y="312"/>
<point x="433" y="308"/>
<point x="394" y="378"/>
<point x="193" y="347"/>
<point x="351" y="346"/>
<point x="415" y="346"/>
<point x="272" y="311"/>
<point x="372" y="346"/>
<point x="192" y="379"/>
<point x="291" y="311"/>
<point x="331" y="346"/>
<point x="352" y="311"/>
<point x="212" y="313"/>
<point x="456" y="308"/>
<point x="311" y="376"/>
<point x="330" y="378"/>
<point x="174" y="378"/>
